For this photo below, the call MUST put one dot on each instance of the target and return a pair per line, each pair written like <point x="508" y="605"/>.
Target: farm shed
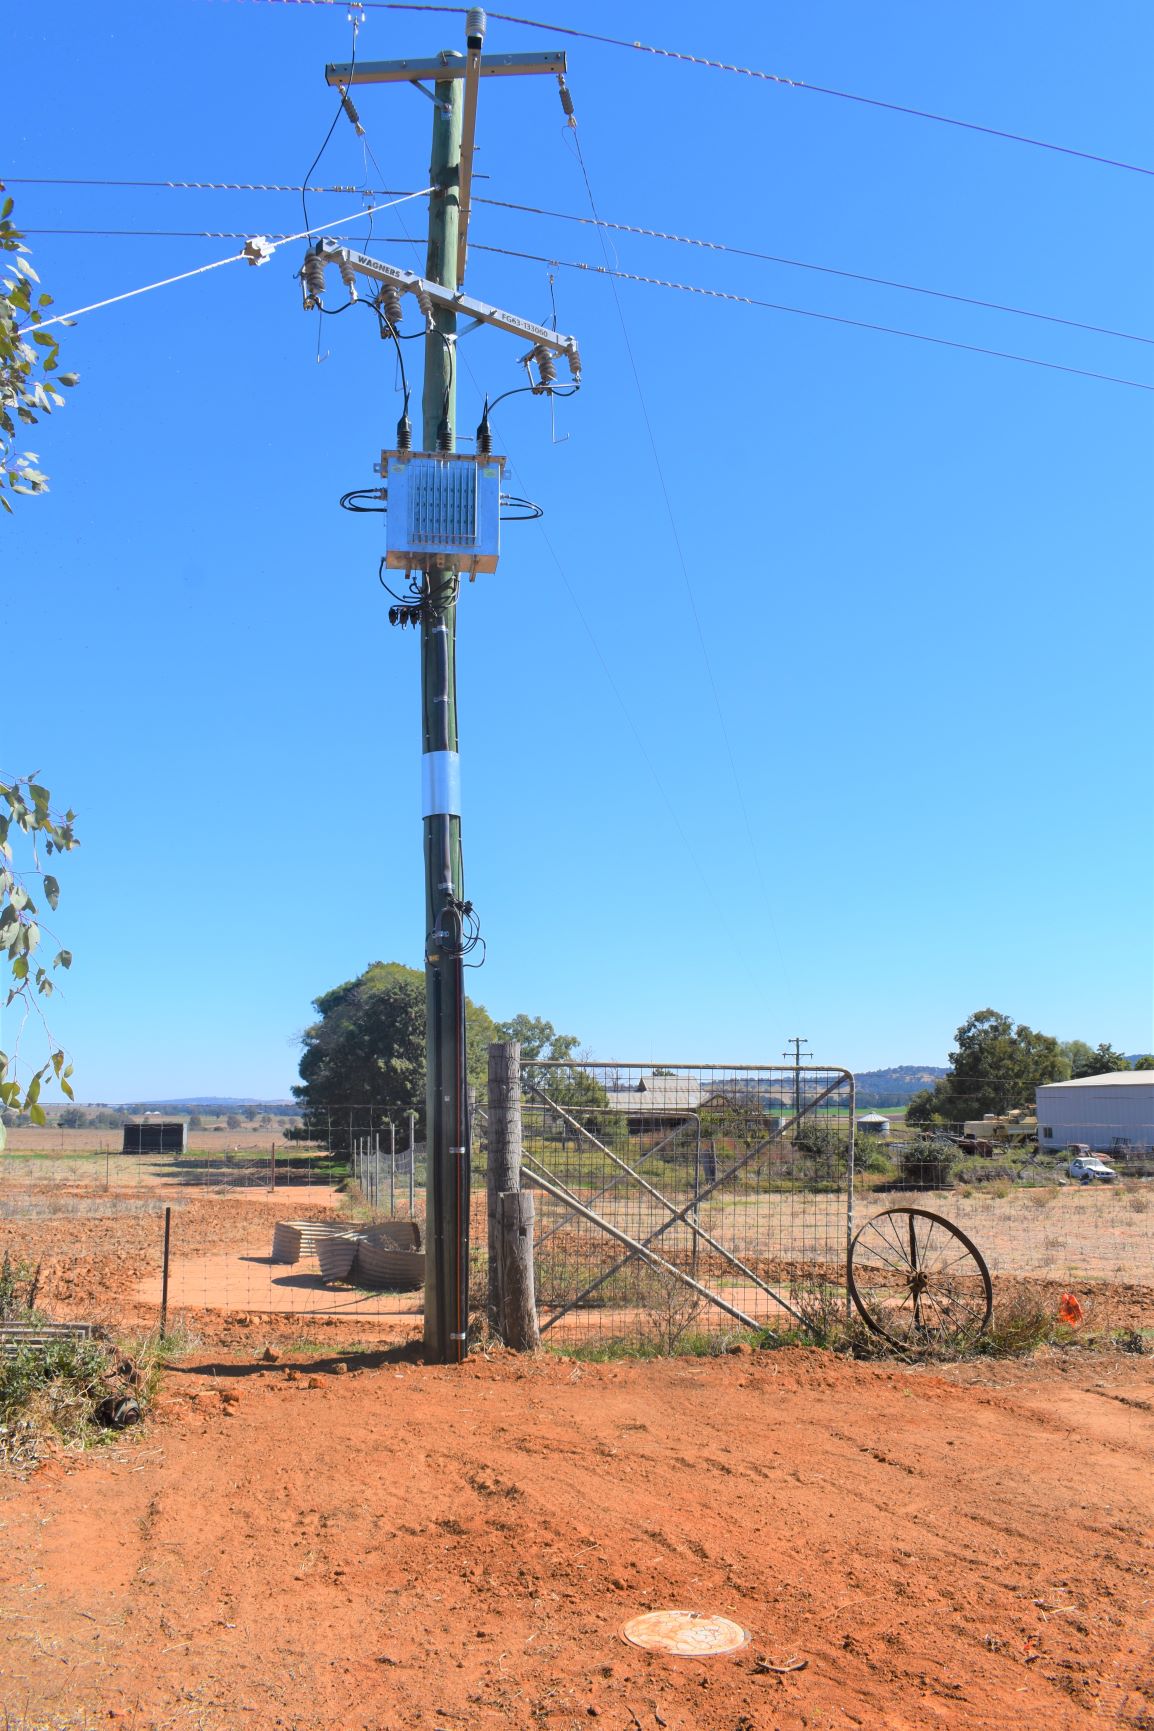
<point x="655" y="1102"/>
<point x="156" y="1136"/>
<point x="1108" y="1112"/>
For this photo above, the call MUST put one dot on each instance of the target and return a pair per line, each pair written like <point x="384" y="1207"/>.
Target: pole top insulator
<point x="475" y="28"/>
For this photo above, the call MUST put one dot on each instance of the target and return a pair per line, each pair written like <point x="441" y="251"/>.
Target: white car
<point x="1087" y="1167"/>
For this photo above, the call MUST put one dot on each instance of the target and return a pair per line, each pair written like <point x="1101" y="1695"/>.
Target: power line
<point x="823" y="269"/>
<point x="657" y="463"/>
<point x="753" y="72"/>
<point x="598" y="270"/>
<point x="600" y="222"/>
<point x="810" y="313"/>
<point x="194" y="185"/>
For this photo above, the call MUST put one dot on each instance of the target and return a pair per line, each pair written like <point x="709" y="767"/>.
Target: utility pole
<point x="797" y="1042"/>
<point x="446" y="1133"/>
<point x="456" y="79"/>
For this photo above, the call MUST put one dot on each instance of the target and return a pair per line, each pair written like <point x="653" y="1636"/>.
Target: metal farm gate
<point x="678" y="1201"/>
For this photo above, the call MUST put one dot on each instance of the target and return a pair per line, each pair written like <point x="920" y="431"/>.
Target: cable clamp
<point x="257" y="249"/>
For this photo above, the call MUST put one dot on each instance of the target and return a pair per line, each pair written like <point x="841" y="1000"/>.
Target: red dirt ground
<point x="402" y="1546"/>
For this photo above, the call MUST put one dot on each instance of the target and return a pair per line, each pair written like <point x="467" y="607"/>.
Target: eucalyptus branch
<point x="26" y="815"/>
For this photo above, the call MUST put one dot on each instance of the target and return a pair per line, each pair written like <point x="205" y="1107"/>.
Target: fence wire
<point x="682" y="1201"/>
<point x="674" y="1204"/>
<point x="92" y="1218"/>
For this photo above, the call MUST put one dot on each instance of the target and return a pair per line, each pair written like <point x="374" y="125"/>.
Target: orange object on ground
<point x="1069" y="1310"/>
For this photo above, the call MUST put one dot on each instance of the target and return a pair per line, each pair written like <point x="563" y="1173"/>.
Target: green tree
<point x="29" y="363"/>
<point x="368" y="1047"/>
<point x="995" y="1068"/>
<point x="537" y="1038"/>
<point x="1100" y="1060"/>
<point x="28" y="821"/>
<point x="922" y="1107"/>
<point x="561" y="1078"/>
<point x="1146" y="1062"/>
<point x="1104" y="1061"/>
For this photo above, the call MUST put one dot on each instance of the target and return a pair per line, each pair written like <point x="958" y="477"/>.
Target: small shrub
<point x="69" y="1387"/>
<point x="18" y="1284"/>
<point x="822" y="1308"/>
<point x="672" y="1310"/>
<point x="928" y="1165"/>
<point x="871" y="1155"/>
<point x="1024" y="1319"/>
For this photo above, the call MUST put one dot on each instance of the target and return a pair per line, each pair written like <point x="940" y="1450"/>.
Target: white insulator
<point x="475" y="26"/>
<point x="348" y="276"/>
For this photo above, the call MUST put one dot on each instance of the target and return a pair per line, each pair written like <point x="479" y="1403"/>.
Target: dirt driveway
<point x="399" y="1546"/>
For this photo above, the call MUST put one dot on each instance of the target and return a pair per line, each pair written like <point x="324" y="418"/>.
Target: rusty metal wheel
<point x="918" y="1281"/>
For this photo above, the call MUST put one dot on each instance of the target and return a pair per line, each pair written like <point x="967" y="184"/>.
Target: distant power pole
<point x="447" y="507"/>
<point x="797" y="1042"/>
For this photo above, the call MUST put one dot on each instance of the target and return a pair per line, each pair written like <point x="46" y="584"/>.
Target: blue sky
<point x="849" y="738"/>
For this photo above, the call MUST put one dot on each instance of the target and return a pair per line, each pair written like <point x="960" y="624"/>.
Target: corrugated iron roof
<point x="1112" y="1079"/>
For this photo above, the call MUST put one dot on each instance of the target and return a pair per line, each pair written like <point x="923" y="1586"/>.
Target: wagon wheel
<point x="918" y="1281"/>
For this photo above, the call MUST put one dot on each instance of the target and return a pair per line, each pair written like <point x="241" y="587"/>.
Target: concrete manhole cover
<point x="689" y="1633"/>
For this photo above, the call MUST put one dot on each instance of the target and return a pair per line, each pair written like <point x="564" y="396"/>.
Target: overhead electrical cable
<point x="617" y="228"/>
<point x="755" y="858"/>
<point x="822" y="269"/>
<point x="753" y="72"/>
<point x="214" y="264"/>
<point x="810" y="313"/>
<point x="601" y="270"/>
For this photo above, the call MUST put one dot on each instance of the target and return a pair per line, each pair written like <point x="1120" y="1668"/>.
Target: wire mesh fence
<point x="1044" y="1236"/>
<point x="681" y="1201"/>
<point x="248" y="1212"/>
<point x="674" y="1204"/>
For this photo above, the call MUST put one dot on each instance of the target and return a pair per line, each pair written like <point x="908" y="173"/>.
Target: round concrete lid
<point x="686" y="1633"/>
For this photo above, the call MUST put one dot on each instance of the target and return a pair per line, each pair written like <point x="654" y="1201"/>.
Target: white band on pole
<point x="441" y="784"/>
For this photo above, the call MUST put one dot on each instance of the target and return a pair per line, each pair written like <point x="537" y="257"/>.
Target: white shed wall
<point x="1096" y="1114"/>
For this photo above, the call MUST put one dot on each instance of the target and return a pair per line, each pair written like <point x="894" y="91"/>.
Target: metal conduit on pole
<point x="412" y="1163"/>
<point x="392" y="1170"/>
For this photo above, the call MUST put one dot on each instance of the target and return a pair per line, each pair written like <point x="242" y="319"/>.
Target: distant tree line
<point x="997" y="1065"/>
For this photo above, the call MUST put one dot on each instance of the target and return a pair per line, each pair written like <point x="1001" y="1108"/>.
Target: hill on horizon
<point x="896" y="1085"/>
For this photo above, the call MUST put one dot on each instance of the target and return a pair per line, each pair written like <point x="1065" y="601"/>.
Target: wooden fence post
<point x="512" y="1301"/>
<point x="518" y="1293"/>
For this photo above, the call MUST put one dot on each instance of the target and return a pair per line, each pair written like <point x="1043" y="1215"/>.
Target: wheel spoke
<point x="917" y="1279"/>
<point x="900" y="1264"/>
